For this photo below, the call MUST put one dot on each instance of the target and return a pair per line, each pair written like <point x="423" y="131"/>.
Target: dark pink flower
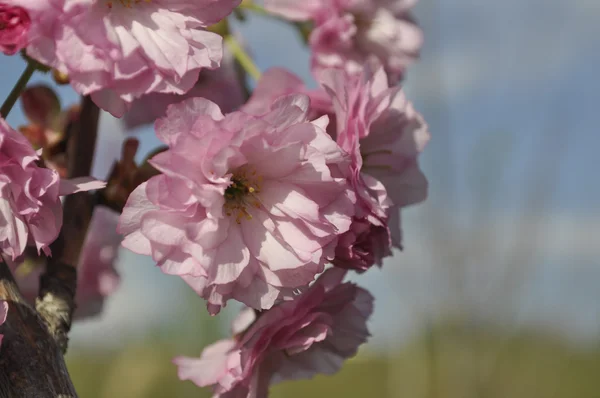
<point x="364" y="245"/>
<point x="315" y="333"/>
<point x="384" y="135"/>
<point x="14" y="28"/>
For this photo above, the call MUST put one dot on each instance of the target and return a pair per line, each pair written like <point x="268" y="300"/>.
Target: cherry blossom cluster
<point x="346" y="33"/>
<point x="269" y="197"/>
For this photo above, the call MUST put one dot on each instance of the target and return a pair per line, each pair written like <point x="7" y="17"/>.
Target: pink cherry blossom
<point x="118" y="50"/>
<point x="355" y="99"/>
<point x="248" y="207"/>
<point x="3" y="314"/>
<point x="224" y="86"/>
<point x="368" y="239"/>
<point x="14" y="28"/>
<point x="96" y="275"/>
<point x="278" y="82"/>
<point x="30" y="208"/>
<point x="384" y="134"/>
<point x="349" y="32"/>
<point x="315" y="333"/>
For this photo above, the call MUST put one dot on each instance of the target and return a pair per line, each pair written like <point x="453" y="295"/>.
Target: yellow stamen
<point x="241" y="193"/>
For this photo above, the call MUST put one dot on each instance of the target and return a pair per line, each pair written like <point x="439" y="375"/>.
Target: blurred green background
<point x="449" y="361"/>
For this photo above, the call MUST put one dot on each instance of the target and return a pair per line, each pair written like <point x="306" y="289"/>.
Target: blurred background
<point x="497" y="293"/>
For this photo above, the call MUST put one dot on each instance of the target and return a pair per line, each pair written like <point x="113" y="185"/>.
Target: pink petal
<point x="80" y="184"/>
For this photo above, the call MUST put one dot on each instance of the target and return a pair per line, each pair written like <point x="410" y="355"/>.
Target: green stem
<point x="242" y="57"/>
<point x="17" y="89"/>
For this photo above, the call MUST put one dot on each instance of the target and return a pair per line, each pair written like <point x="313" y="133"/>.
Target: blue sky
<point x="511" y="231"/>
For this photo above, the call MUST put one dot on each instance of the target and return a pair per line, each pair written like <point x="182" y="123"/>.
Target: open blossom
<point x="118" y="50"/>
<point x="248" y="207"/>
<point x="349" y="32"/>
<point x="277" y="82"/>
<point x="14" y="27"/>
<point x="315" y="333"/>
<point x="379" y="127"/>
<point x="30" y="208"/>
<point x="3" y="314"/>
<point x="355" y="100"/>
<point x="96" y="275"/>
<point x="223" y="86"/>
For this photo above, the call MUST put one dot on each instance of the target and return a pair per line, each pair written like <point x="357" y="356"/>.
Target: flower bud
<point x="14" y="27"/>
<point x="41" y="105"/>
<point x="60" y="77"/>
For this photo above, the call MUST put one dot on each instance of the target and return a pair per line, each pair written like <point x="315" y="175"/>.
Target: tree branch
<point x="56" y="300"/>
<point x="31" y="362"/>
<point x="31" y="355"/>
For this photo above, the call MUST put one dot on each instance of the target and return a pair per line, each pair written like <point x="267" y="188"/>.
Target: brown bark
<point x="56" y="301"/>
<point x="31" y="362"/>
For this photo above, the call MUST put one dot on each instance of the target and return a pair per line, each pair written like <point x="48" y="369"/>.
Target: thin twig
<point x="242" y="57"/>
<point x="17" y="89"/>
<point x="82" y="140"/>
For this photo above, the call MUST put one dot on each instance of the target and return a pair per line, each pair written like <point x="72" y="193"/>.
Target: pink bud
<point x="14" y="26"/>
<point x="41" y="105"/>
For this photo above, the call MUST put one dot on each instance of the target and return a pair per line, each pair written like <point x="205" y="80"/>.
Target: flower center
<point x="242" y="193"/>
<point x="125" y="3"/>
